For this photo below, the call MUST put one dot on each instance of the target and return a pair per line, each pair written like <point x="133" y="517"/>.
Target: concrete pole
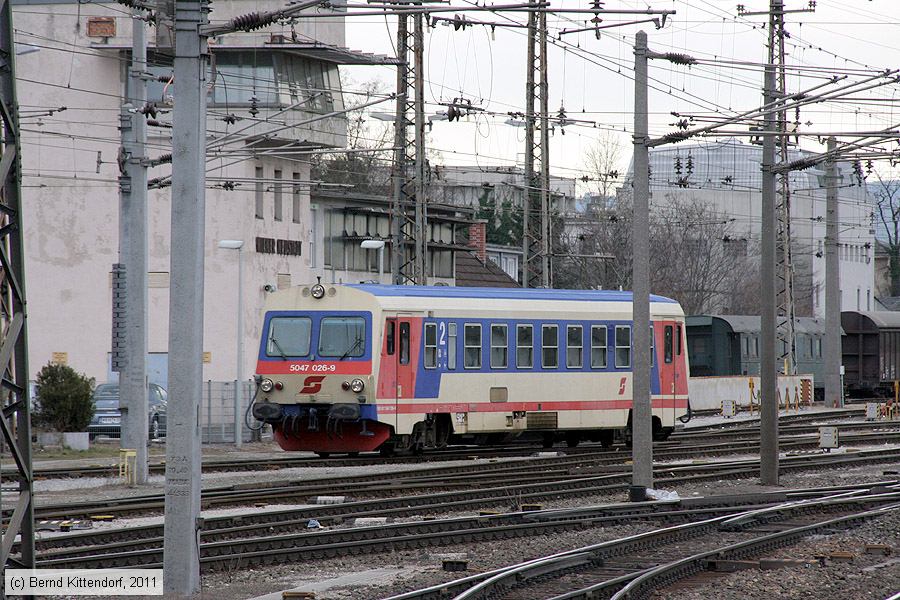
<point x="181" y="561"/>
<point x="768" y="374"/>
<point x="834" y="395"/>
<point x="239" y="382"/>
<point x="133" y="399"/>
<point x="642" y="411"/>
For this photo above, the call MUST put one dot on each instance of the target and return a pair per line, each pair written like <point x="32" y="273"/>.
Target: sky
<point x="592" y="78"/>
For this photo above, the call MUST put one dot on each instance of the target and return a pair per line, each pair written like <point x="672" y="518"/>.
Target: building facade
<point x="274" y="97"/>
<point x="725" y="176"/>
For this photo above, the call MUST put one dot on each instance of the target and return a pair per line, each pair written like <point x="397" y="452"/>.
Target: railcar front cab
<point x="314" y="376"/>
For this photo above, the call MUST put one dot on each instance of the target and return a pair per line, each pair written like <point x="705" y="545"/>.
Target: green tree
<point x="504" y="219"/>
<point x="64" y="398"/>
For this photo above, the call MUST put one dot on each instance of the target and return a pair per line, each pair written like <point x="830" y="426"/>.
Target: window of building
<point x="623" y="346"/>
<point x="745" y="346"/>
<point x="819" y="347"/>
<point x="258" y="193"/>
<point x="524" y="346"/>
<point x="451" y="346"/>
<point x="430" y="345"/>
<point x="472" y="342"/>
<point x="498" y="346"/>
<point x="295" y="199"/>
<point x="550" y="346"/>
<point x="598" y="346"/>
<point x="574" y="346"/>
<point x="278" y="207"/>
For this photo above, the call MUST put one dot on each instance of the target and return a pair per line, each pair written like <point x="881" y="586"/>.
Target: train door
<point x="667" y="371"/>
<point x="398" y="363"/>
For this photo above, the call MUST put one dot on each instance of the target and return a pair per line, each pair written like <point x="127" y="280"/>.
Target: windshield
<point x="288" y="336"/>
<point x="342" y="337"/>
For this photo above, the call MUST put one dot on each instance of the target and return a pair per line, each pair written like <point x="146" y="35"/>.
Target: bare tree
<point x="601" y="161"/>
<point x="696" y="256"/>
<point x="887" y="199"/>
<point x="367" y="166"/>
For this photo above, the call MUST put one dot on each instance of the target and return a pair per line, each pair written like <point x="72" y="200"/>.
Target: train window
<point x="391" y="345"/>
<point x="498" y="346"/>
<point x="430" y="345"/>
<point x="574" y="346"/>
<point x="678" y="340"/>
<point x="288" y="336"/>
<point x="404" y="343"/>
<point x="524" y="346"/>
<point x="472" y="359"/>
<point x="550" y="346"/>
<point x="342" y="337"/>
<point x="598" y="346"/>
<point x="623" y="346"/>
<point x="668" y="343"/>
<point x="451" y="346"/>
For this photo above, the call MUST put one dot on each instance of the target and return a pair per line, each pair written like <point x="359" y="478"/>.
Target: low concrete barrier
<point x="707" y="393"/>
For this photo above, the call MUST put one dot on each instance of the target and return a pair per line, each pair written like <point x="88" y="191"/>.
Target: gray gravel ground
<point x="417" y="569"/>
<point x="868" y="577"/>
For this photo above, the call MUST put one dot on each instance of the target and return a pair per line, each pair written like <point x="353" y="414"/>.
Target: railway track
<point x="558" y="473"/>
<point x="284" y="521"/>
<point x="634" y="567"/>
<point x="724" y="429"/>
<point x="249" y="547"/>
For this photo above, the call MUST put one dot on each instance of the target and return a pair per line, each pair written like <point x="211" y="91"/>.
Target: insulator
<point x="679" y="59"/>
<point x="251" y="21"/>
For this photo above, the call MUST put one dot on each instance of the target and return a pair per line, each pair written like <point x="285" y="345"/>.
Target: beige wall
<point x="71" y="202"/>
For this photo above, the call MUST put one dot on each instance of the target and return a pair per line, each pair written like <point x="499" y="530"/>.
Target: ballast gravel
<point x="867" y="577"/>
<point x="422" y="568"/>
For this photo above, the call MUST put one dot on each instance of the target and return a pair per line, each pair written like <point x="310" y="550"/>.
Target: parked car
<point x="107" y="419"/>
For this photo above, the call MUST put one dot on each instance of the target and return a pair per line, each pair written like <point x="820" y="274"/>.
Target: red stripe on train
<point x="290" y="367"/>
<point x="422" y="407"/>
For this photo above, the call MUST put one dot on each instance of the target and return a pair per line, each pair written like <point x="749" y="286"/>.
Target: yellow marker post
<point x="127" y="464"/>
<point x="750" y="383"/>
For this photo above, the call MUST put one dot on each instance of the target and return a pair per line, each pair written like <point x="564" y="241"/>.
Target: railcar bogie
<point x="358" y="368"/>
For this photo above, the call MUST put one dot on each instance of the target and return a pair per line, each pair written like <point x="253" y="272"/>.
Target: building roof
<point x="471" y="272"/>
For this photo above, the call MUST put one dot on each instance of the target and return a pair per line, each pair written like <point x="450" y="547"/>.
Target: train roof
<point x="750" y="323"/>
<point x="422" y="291"/>
<point x="881" y="318"/>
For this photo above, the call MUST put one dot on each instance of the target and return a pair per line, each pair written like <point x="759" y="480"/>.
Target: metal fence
<point x="217" y="407"/>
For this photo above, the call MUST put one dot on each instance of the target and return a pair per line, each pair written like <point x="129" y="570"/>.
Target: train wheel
<point x="323" y="454"/>
<point x="548" y="441"/>
<point x="572" y="439"/>
<point x="606" y="439"/>
<point x="386" y="449"/>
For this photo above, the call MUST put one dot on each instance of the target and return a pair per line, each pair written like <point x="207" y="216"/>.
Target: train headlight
<point x="357" y="385"/>
<point x="266" y="385"/>
<point x="318" y="291"/>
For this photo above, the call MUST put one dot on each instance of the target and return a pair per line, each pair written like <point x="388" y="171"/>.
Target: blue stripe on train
<point x="428" y="381"/>
<point x="421" y="291"/>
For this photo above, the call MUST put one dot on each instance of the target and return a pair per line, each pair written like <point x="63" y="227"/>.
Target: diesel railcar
<point x="721" y="345"/>
<point x="357" y="368"/>
<point x="870" y="352"/>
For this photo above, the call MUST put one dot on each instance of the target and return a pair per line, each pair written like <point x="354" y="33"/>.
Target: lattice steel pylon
<point x="409" y="239"/>
<point x="786" y="308"/>
<point x="16" y="421"/>
<point x="536" y="205"/>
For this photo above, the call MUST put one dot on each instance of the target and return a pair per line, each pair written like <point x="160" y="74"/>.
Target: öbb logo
<point x="312" y="384"/>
